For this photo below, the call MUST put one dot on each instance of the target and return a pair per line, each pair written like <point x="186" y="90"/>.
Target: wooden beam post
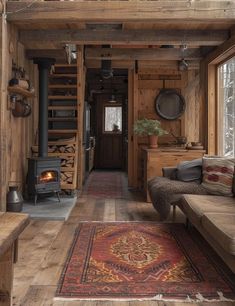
<point x="81" y="96"/>
<point x="130" y="127"/>
<point x="3" y="110"/>
<point x="6" y="277"/>
<point x="135" y="138"/>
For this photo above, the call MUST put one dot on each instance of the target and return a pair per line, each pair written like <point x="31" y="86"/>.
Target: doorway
<point x="109" y="119"/>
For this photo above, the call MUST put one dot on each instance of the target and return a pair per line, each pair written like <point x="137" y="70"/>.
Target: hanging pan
<point x="169" y="104"/>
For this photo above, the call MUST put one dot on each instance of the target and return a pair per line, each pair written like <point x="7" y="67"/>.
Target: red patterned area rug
<point x="105" y="184"/>
<point x="140" y="261"/>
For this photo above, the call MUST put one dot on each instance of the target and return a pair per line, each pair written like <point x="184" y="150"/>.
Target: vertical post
<point x="135" y="139"/>
<point x="130" y="127"/>
<point x="6" y="277"/>
<point x="3" y="108"/>
<point x="81" y="96"/>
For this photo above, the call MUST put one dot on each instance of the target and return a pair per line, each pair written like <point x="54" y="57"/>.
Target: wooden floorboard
<point x="43" y="247"/>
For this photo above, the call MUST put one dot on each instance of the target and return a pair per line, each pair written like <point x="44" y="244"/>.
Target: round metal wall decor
<point x="169" y="104"/>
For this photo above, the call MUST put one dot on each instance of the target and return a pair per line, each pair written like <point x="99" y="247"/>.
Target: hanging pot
<point x="14" y="199"/>
<point x="21" y="109"/>
<point x="27" y="110"/>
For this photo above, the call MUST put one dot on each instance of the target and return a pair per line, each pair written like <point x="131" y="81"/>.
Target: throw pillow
<point x="190" y="170"/>
<point x="218" y="175"/>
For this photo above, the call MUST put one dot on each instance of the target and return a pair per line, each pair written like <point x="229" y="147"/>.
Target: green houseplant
<point x="151" y="128"/>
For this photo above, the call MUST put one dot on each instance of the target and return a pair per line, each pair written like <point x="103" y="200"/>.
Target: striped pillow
<point x="218" y="173"/>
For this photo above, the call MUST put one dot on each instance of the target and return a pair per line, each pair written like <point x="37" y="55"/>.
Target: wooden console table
<point x="11" y="224"/>
<point x="153" y="160"/>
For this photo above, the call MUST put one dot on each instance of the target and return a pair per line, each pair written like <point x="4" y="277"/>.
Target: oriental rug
<point x="140" y="260"/>
<point x="105" y="184"/>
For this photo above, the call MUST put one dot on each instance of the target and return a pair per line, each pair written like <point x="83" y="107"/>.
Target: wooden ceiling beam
<point x="128" y="37"/>
<point x="54" y="53"/>
<point x="101" y="11"/>
<point x="144" y="66"/>
<point x="141" y="54"/>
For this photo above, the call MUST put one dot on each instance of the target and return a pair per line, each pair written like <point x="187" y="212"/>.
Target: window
<point x="226" y="108"/>
<point x="113" y="119"/>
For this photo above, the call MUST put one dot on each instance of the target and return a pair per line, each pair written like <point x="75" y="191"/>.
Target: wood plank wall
<point x="3" y="107"/>
<point x="150" y="82"/>
<point x="19" y="135"/>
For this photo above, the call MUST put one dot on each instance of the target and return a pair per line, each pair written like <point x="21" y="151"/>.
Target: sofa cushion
<point x="195" y="206"/>
<point x="189" y="170"/>
<point x="218" y="175"/>
<point x="221" y="226"/>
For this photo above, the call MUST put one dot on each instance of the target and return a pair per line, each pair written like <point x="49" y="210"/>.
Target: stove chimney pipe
<point x="44" y="65"/>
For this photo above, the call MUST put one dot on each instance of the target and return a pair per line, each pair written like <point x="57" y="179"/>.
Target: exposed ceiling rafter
<point x="112" y="11"/>
<point x="141" y="54"/>
<point x="129" y="37"/>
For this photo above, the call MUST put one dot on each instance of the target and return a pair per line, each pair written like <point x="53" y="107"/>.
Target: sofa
<point x="165" y="191"/>
<point x="212" y="215"/>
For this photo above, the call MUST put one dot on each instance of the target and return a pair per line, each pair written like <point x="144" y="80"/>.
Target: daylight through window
<point x="113" y="119"/>
<point x="226" y="108"/>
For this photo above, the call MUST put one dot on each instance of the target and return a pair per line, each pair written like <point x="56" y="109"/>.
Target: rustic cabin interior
<point x="148" y="223"/>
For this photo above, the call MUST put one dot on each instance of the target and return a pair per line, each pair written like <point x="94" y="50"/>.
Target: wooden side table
<point x="11" y="224"/>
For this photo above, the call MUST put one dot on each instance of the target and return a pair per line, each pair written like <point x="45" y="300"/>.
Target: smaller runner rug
<point x="140" y="260"/>
<point x="105" y="184"/>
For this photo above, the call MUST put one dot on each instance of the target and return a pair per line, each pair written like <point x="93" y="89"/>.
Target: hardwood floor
<point x="44" y="244"/>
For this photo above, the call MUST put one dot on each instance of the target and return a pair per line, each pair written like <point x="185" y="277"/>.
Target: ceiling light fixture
<point x="113" y="99"/>
<point x="183" y="65"/>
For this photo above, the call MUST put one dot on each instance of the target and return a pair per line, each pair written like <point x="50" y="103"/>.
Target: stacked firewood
<point x="69" y="148"/>
<point x="67" y="162"/>
<point x="66" y="177"/>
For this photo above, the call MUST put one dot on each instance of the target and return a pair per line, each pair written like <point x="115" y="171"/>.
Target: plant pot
<point x="153" y="141"/>
<point x="14" y="199"/>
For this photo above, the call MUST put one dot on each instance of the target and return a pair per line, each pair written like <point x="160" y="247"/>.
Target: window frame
<point x="220" y="110"/>
<point x="208" y="67"/>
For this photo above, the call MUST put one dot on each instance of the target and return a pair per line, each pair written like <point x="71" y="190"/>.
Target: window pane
<point x="113" y="119"/>
<point x="226" y="110"/>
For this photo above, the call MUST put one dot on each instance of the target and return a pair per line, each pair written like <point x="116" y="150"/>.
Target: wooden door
<point x="109" y="134"/>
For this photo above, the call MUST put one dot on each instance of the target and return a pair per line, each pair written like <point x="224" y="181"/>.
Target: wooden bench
<point x="11" y="225"/>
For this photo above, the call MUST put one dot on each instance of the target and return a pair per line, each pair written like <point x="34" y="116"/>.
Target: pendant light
<point x="183" y="65"/>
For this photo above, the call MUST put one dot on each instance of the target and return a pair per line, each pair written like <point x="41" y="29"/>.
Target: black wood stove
<point x="43" y="171"/>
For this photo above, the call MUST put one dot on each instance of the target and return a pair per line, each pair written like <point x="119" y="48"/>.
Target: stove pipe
<point x="44" y="65"/>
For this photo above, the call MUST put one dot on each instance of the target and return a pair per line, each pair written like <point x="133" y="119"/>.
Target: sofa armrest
<point x="169" y="171"/>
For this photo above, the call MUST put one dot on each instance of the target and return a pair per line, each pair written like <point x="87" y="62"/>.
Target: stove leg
<point x="35" y="199"/>
<point x="58" y="195"/>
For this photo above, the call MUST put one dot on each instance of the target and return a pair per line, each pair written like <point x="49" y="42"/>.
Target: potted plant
<point x="151" y="128"/>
